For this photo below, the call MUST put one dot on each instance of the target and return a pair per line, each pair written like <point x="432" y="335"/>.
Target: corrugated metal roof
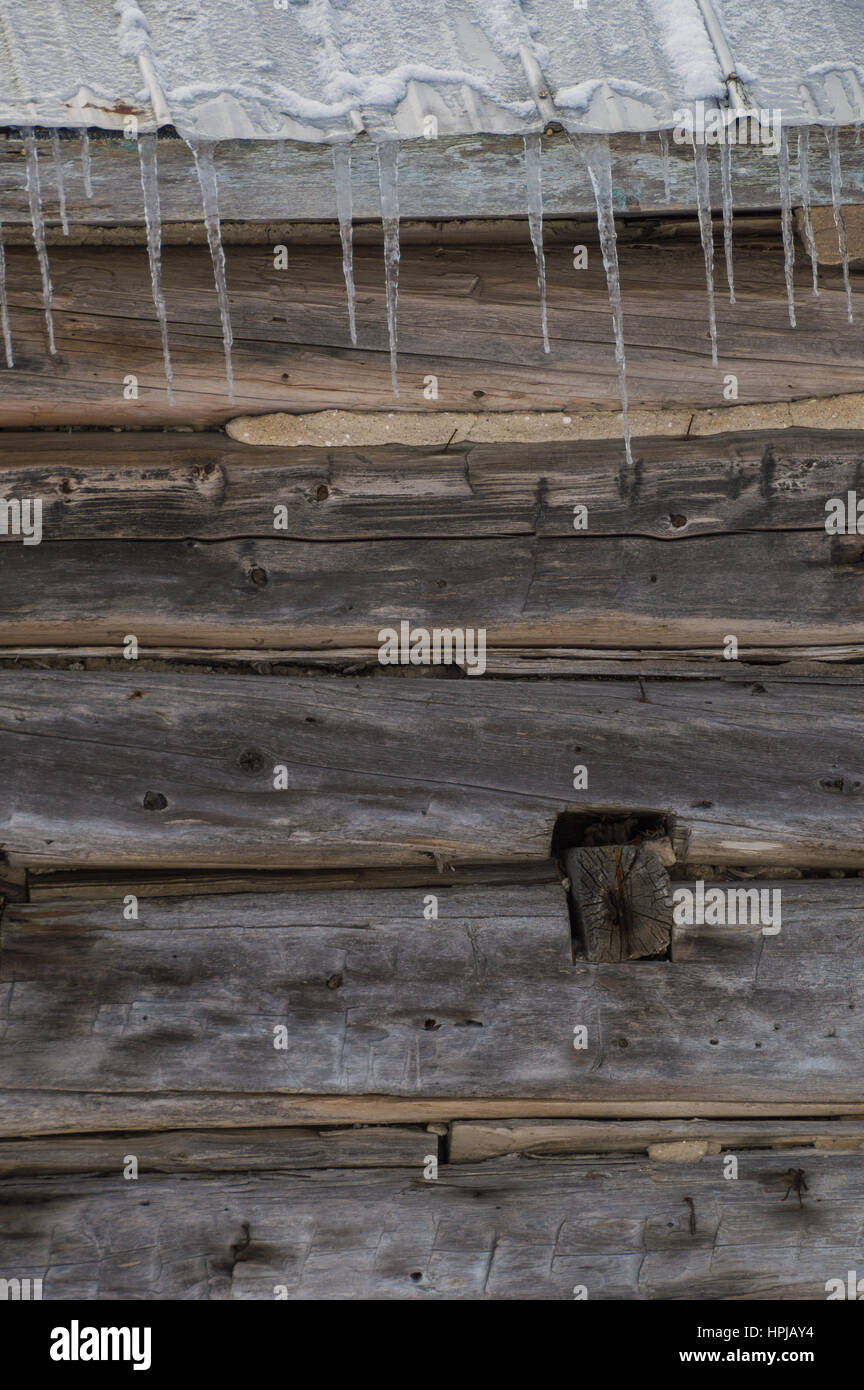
<point x="318" y="70"/>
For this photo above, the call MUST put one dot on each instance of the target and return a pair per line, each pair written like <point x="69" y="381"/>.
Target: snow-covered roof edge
<point x="326" y="70"/>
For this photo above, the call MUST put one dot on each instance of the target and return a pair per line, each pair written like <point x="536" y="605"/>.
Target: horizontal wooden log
<point x="467" y="316"/>
<point x="292" y="592"/>
<point x="824" y="663"/>
<point x="34" y="1112"/>
<point x="474" y="1141"/>
<point x="147" y="771"/>
<point x="766" y="588"/>
<point x="220" y="1151"/>
<point x="91" y="887"/>
<point x="156" y="486"/>
<point x="455" y="176"/>
<point x="621" y="1228"/>
<point x="485" y="1001"/>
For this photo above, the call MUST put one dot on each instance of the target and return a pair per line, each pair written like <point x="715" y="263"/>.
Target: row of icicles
<point x="596" y="153"/>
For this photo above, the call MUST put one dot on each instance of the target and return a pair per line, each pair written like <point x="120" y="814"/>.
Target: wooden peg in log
<point x="623" y="902"/>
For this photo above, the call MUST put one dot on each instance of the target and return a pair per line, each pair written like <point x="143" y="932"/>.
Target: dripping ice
<point x="726" y="195"/>
<point x="804" y="189"/>
<point x="595" y="149"/>
<point x="85" y="162"/>
<point x="667" y="168"/>
<point x="344" y="206"/>
<point x="59" y="180"/>
<point x="535" y="223"/>
<point x="388" y="167"/>
<point x="202" y="153"/>
<point x="34" y="197"/>
<point x="706" y="232"/>
<point x="4" y="305"/>
<point x="786" y="222"/>
<point x="839" y="223"/>
<point x="153" y="221"/>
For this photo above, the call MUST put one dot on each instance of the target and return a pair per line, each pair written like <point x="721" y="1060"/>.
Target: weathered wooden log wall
<point x="468" y="315"/>
<point x="294" y="1001"/>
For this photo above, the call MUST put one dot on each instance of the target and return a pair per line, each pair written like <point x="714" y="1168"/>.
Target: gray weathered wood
<point x="220" y="1151"/>
<point x="462" y="1006"/>
<point x="157" y="486"/>
<point x="455" y="176"/>
<point x="623" y="1228"/>
<point x="90" y="887"/>
<point x="621" y="897"/>
<point x="473" y="1141"/>
<point x="826" y="663"/>
<point x="355" y="910"/>
<point x="468" y="316"/>
<point x="34" y="1112"/>
<point x="771" y="588"/>
<point x="418" y="772"/>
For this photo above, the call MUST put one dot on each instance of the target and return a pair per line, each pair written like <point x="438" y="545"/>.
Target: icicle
<point x="667" y="168"/>
<point x="839" y="221"/>
<point x="388" y="166"/>
<point x="61" y="183"/>
<point x="804" y="186"/>
<point x="4" y="305"/>
<point x="595" y="148"/>
<point x="786" y="222"/>
<point x="85" y="162"/>
<point x="706" y="232"/>
<point x="34" y="197"/>
<point x="342" y="172"/>
<point x="153" y="219"/>
<point x="726" y="190"/>
<point x="535" y="223"/>
<point x="203" y="155"/>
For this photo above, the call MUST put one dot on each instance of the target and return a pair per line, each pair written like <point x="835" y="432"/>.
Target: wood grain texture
<point x="621" y="899"/>
<point x="418" y="772"/>
<point x="468" y="1005"/>
<point x="621" y="1227"/>
<point x="34" y="1113"/>
<point x="469" y="316"/>
<point x="168" y="486"/>
<point x="455" y="176"/>
<point x="473" y="1141"/>
<point x="172" y="538"/>
<point x="220" y="1151"/>
<point x="766" y="588"/>
<point x="93" y="886"/>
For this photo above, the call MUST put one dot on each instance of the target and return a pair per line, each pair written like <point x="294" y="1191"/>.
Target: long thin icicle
<point x="667" y="168"/>
<point x="535" y="223"/>
<point x="726" y="193"/>
<point x="85" y="162"/>
<point x="4" y="305"/>
<point x="839" y="220"/>
<point x="202" y="153"/>
<point x="59" y="179"/>
<point x="706" y="232"/>
<point x="595" y="149"/>
<point x="804" y="188"/>
<point x="153" y="220"/>
<point x="388" y="171"/>
<point x="34" y="197"/>
<point x="786" y="222"/>
<point x="344" y="208"/>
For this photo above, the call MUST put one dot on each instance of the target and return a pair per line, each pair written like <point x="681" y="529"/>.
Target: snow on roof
<point x="319" y="70"/>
